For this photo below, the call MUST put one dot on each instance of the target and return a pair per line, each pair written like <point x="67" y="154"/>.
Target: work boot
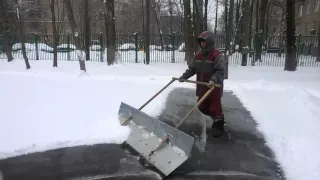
<point x="217" y="127"/>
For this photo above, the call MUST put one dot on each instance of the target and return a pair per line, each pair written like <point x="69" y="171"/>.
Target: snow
<point x="286" y="107"/>
<point x="47" y="108"/>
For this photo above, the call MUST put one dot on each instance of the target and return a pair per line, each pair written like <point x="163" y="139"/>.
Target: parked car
<point x="127" y="47"/>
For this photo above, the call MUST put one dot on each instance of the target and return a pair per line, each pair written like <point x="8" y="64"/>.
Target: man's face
<point x="203" y="44"/>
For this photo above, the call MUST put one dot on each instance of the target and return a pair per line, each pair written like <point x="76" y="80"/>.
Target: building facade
<point x="307" y="17"/>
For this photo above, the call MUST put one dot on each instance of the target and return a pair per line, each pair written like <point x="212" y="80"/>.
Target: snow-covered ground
<point x="46" y="108"/>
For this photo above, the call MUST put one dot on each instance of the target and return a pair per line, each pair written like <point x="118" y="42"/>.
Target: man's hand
<point x="181" y="80"/>
<point x="211" y="83"/>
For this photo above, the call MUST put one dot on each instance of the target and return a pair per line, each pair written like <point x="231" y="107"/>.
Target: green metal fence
<point x="168" y="48"/>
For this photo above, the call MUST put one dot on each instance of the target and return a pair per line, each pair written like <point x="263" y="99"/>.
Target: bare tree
<point x="290" y="62"/>
<point x="188" y="35"/>
<point x="230" y="23"/>
<point x="250" y="27"/>
<point x="21" y="34"/>
<point x="318" y="58"/>
<point x="110" y="31"/>
<point x="262" y="16"/>
<point x="157" y="19"/>
<point x="216" y="18"/>
<point x="55" y="33"/>
<point x="236" y="39"/>
<point x="87" y="29"/>
<point x="198" y="16"/>
<point x="205" y="16"/>
<point x="6" y="27"/>
<point x="257" y="16"/>
<point x="147" y="33"/>
<point x="246" y="13"/>
<point x="75" y="32"/>
<point x="226" y="16"/>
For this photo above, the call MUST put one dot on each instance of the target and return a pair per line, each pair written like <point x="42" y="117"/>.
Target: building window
<point x="317" y="6"/>
<point x="308" y="7"/>
<point x="300" y="10"/>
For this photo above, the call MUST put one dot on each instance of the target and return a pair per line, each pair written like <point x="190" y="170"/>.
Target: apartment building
<point x="307" y="18"/>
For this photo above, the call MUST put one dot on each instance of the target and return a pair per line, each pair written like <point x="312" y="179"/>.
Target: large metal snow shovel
<point x="163" y="146"/>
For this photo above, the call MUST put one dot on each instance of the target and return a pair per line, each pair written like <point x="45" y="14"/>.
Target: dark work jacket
<point x="207" y="67"/>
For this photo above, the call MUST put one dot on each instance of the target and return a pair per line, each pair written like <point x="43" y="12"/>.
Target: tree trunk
<point x="111" y="32"/>
<point x="188" y="35"/>
<point x="205" y="17"/>
<point x="250" y="29"/>
<point x="5" y="26"/>
<point x="170" y="14"/>
<point x="75" y="32"/>
<point x="230" y="25"/>
<point x="7" y="45"/>
<point x="242" y="26"/>
<point x="257" y="16"/>
<point x="236" y="40"/>
<point x="21" y="36"/>
<point x="318" y="58"/>
<point x="216" y="18"/>
<point x="87" y="29"/>
<point x="55" y="34"/>
<point x="290" y="63"/>
<point x="266" y="25"/>
<point x="198" y="18"/>
<point x="246" y="13"/>
<point x="157" y="19"/>
<point x="262" y="17"/>
<point x="226" y="16"/>
<point x="147" y="32"/>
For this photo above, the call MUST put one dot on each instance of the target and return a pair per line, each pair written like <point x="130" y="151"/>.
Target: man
<point x="208" y="65"/>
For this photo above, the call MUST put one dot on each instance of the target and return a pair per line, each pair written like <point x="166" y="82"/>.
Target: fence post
<point x="298" y="49"/>
<point x="318" y="54"/>
<point x="68" y="43"/>
<point x="173" y="49"/>
<point x="36" y="39"/>
<point x="136" y="44"/>
<point x="102" y="47"/>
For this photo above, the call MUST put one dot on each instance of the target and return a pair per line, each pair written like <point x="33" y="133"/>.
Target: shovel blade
<point x="146" y="134"/>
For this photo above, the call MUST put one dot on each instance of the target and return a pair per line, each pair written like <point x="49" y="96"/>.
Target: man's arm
<point x="218" y="69"/>
<point x="190" y="71"/>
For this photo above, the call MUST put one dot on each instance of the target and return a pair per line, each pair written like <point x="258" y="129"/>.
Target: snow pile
<point x="286" y="107"/>
<point x="48" y="108"/>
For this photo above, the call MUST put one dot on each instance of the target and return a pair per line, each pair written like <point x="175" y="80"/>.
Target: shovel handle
<point x="197" y="82"/>
<point x="154" y="96"/>
<point x="165" y="138"/>
<point x="195" y="107"/>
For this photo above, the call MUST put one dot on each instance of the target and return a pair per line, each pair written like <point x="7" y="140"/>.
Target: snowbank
<point x="286" y="107"/>
<point x="48" y="108"/>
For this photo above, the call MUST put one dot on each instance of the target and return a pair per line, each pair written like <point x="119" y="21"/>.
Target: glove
<point x="211" y="83"/>
<point x="181" y="79"/>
